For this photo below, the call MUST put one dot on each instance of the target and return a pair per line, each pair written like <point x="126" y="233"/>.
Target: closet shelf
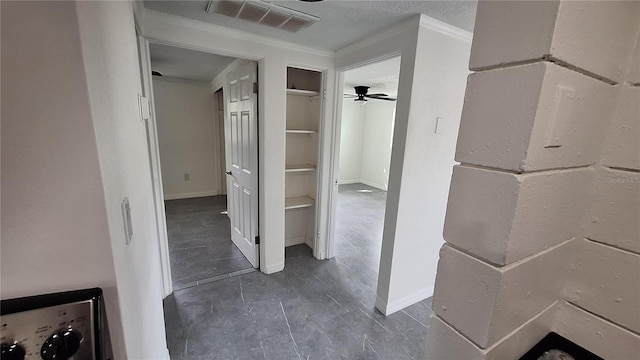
<point x="299" y="168"/>
<point x="301" y="131"/>
<point x="300" y="92"/>
<point x="298" y="202"/>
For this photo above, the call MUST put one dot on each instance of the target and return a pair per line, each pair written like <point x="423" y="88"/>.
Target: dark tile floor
<point x="200" y="247"/>
<point x="311" y="310"/>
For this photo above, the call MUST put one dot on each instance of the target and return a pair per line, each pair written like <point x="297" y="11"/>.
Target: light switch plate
<point x="145" y="107"/>
<point x="126" y="219"/>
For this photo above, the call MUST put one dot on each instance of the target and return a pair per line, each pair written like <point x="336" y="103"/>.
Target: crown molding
<point x="444" y="28"/>
<point x="391" y="31"/>
<point x="174" y="79"/>
<point x="158" y="17"/>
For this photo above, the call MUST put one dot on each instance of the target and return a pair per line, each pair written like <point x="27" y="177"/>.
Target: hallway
<point x="313" y="309"/>
<point x="200" y="247"/>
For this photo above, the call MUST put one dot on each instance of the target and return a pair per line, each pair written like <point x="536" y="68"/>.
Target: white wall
<point x="54" y="231"/>
<point x="365" y="142"/>
<point x="351" y="132"/>
<point x="187" y="139"/>
<point x="111" y="63"/>
<point x="439" y="83"/>
<point x="433" y="71"/>
<point x="273" y="57"/>
<point x="376" y="143"/>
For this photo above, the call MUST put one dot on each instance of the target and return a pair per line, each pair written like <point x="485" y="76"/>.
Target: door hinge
<point x="258" y="240"/>
<point x="255" y="87"/>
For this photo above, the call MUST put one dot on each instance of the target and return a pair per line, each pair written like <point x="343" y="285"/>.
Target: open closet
<point x="304" y="109"/>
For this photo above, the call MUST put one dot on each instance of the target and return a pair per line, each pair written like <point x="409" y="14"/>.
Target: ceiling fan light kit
<point x="362" y="95"/>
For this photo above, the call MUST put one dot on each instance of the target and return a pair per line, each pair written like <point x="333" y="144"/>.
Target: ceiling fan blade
<point x="350" y="96"/>
<point x="381" y="98"/>
<point x="378" y="94"/>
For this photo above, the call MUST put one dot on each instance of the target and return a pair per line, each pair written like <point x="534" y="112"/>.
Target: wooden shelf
<point x="301" y="131"/>
<point x="298" y="202"/>
<point x="299" y="168"/>
<point x="299" y="92"/>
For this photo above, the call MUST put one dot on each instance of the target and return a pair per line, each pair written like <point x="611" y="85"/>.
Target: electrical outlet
<point x="187" y="177"/>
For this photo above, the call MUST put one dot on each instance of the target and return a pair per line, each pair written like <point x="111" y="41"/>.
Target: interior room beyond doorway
<point x="368" y="114"/>
<point x="191" y="139"/>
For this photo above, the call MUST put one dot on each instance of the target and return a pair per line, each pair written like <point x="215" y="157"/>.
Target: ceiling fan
<point x="362" y="95"/>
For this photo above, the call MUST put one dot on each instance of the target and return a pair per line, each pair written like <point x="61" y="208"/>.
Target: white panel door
<point x="242" y="164"/>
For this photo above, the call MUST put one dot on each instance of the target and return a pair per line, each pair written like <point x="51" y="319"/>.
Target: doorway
<point x="366" y="135"/>
<point x="204" y="133"/>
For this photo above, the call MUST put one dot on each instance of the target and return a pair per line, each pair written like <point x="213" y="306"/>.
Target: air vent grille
<point x="295" y="24"/>
<point x="252" y="12"/>
<point x="228" y="8"/>
<point x="264" y="13"/>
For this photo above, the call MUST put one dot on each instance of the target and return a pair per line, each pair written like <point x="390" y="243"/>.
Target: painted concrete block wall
<point x="622" y="149"/>
<point x="54" y="222"/>
<point x="533" y="117"/>
<point x="574" y="32"/>
<point x="608" y="340"/>
<point x="565" y="127"/>
<point x="489" y="302"/>
<point x="511" y="346"/>
<point x="187" y="139"/>
<point x="490" y="211"/>
<point x="606" y="281"/>
<point x="614" y="210"/>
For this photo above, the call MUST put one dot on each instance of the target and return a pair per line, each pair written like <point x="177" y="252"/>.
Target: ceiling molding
<point x="393" y="30"/>
<point x="444" y="28"/>
<point x="179" y="80"/>
<point x="217" y="30"/>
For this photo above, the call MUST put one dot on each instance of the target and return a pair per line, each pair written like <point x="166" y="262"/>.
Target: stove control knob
<point x="12" y="352"/>
<point x="61" y="345"/>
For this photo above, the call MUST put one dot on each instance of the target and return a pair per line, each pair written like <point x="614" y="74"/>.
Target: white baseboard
<point x="295" y="241"/>
<point x="372" y="184"/>
<point x="309" y="242"/>
<point x="273" y="268"/>
<point x="190" y="195"/>
<point x="343" y="182"/>
<point x="389" y="308"/>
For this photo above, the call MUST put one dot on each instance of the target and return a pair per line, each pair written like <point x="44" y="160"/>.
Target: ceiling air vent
<point x="262" y="12"/>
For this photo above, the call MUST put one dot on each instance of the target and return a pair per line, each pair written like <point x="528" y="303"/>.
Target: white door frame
<point x="331" y="198"/>
<point x="156" y="172"/>
<point x="154" y="155"/>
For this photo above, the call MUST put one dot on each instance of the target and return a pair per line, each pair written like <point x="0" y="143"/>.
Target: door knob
<point x="228" y="172"/>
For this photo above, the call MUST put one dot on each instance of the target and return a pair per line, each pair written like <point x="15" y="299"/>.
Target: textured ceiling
<point x="381" y="77"/>
<point x="341" y="21"/>
<point x="187" y="64"/>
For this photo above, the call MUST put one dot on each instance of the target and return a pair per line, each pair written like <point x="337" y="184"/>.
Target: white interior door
<point x="242" y="165"/>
